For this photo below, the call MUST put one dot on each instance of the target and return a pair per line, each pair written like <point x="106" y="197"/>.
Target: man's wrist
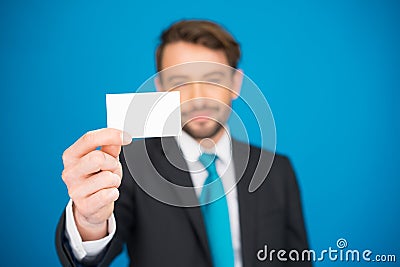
<point x="89" y="231"/>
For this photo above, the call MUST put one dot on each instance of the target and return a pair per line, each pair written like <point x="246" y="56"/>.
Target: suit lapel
<point x="173" y="167"/>
<point x="244" y="168"/>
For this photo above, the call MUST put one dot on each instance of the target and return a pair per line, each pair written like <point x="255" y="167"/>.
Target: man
<point x="109" y="206"/>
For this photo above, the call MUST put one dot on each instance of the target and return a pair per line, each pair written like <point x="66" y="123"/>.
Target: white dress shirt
<point x="191" y="150"/>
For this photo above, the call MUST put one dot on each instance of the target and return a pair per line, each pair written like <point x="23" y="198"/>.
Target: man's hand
<point x="92" y="178"/>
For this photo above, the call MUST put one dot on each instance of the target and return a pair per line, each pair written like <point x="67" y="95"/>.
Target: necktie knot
<point x="208" y="161"/>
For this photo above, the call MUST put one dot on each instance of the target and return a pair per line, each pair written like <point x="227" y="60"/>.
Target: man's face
<point x="205" y="106"/>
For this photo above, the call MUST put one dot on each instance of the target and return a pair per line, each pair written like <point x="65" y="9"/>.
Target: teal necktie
<point x="216" y="215"/>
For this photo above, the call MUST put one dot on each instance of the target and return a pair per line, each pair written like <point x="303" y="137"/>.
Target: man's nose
<point x="196" y="90"/>
<point x="197" y="95"/>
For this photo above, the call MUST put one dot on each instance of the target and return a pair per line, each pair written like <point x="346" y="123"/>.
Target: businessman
<point x="109" y="206"/>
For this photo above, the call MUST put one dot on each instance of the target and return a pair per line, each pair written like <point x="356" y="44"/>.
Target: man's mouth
<point x="200" y="115"/>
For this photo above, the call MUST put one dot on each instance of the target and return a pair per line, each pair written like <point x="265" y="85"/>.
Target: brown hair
<point x="203" y="32"/>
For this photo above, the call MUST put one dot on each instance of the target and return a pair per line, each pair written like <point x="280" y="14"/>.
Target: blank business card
<point x="154" y="114"/>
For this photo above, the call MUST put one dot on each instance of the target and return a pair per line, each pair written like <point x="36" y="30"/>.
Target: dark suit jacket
<point x="158" y="234"/>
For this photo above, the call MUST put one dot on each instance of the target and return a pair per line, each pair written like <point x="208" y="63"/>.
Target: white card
<point x="154" y="114"/>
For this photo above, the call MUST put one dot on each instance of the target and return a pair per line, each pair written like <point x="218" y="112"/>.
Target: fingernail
<point x="126" y="138"/>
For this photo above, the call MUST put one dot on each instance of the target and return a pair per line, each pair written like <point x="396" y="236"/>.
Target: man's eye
<point x="214" y="80"/>
<point x="178" y="83"/>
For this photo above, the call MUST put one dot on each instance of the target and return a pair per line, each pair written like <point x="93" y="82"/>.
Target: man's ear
<point x="158" y="85"/>
<point x="237" y="83"/>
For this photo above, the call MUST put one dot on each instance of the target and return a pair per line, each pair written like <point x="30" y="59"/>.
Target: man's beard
<point x="209" y="134"/>
<point x="218" y="114"/>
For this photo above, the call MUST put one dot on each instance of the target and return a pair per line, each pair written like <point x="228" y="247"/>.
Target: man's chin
<point x="201" y="131"/>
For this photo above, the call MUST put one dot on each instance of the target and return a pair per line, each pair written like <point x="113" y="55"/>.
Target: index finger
<point x="93" y="139"/>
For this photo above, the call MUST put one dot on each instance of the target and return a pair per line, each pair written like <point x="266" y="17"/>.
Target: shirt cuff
<point x="82" y="249"/>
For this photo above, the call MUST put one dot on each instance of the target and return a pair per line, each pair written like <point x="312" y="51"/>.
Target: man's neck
<point x="211" y="141"/>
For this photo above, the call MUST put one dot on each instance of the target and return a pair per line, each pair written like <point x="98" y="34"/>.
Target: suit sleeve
<point x="63" y="250"/>
<point x="296" y="231"/>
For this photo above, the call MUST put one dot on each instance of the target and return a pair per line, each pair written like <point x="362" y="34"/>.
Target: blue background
<point x="329" y="69"/>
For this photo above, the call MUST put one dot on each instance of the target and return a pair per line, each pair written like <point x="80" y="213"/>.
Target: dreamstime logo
<point x="340" y="254"/>
<point x="341" y="243"/>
